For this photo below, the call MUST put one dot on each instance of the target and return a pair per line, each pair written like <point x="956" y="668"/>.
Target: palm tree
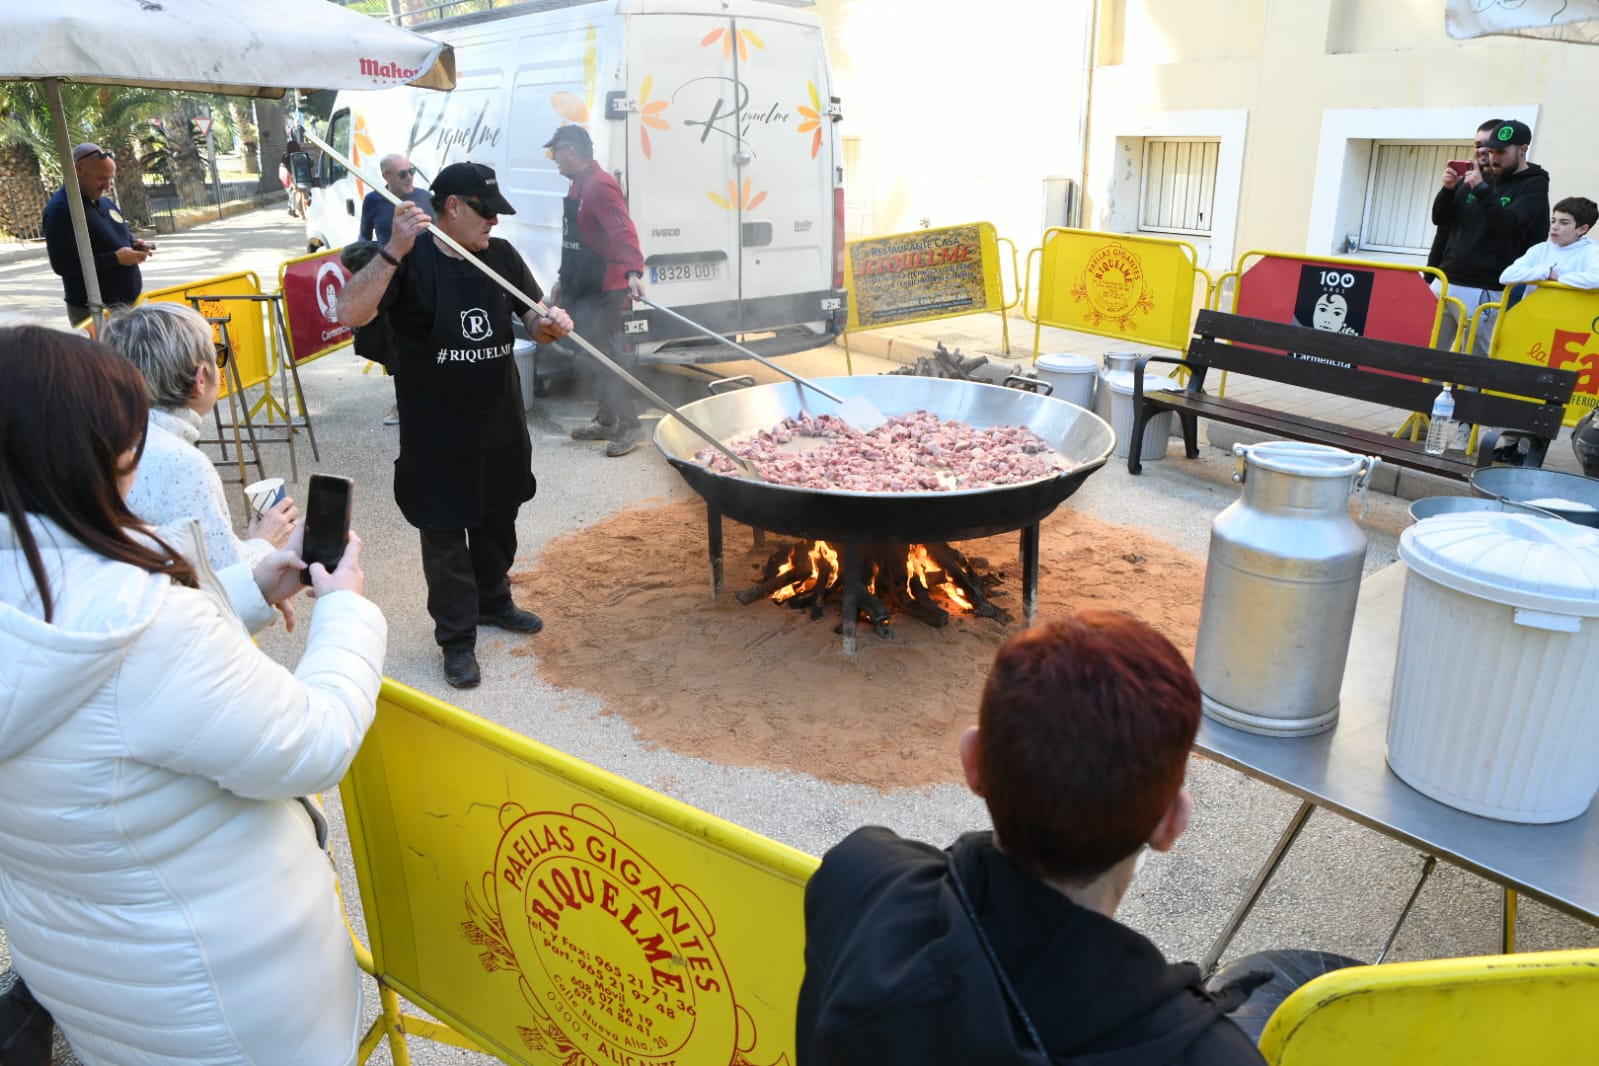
<point x="110" y="116"/>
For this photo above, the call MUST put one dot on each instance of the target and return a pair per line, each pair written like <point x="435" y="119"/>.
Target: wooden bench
<point x="1349" y="366"/>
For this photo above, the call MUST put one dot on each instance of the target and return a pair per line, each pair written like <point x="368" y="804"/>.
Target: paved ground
<point x="1339" y="890"/>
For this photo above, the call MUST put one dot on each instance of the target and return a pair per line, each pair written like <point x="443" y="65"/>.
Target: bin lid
<point x="1121" y="381"/>
<point x="1067" y="363"/>
<point x="1519" y="560"/>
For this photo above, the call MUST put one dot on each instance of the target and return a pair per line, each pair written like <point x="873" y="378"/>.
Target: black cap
<point x="573" y="135"/>
<point x="1510" y="133"/>
<point x="471" y="179"/>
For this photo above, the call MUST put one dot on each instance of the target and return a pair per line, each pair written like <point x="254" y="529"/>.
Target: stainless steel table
<point x="1346" y="771"/>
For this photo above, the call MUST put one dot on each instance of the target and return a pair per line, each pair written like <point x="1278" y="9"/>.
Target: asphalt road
<point x="1339" y="890"/>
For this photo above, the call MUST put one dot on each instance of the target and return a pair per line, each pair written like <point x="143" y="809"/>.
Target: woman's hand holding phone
<point x="346" y="577"/>
<point x="278" y="575"/>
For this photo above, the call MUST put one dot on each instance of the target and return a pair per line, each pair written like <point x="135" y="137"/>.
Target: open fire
<point x="926" y="581"/>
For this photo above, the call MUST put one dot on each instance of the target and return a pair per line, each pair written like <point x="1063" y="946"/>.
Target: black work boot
<point x="460" y="668"/>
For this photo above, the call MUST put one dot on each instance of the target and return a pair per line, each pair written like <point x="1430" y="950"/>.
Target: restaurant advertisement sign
<point x="922" y="275"/>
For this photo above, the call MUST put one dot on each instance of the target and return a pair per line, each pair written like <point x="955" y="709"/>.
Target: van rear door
<point x="729" y="159"/>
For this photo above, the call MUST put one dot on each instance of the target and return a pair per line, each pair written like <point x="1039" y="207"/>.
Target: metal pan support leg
<point x="1274" y="860"/>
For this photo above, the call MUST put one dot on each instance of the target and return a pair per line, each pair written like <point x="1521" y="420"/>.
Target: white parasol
<point x="213" y="46"/>
<point x="1555" y="20"/>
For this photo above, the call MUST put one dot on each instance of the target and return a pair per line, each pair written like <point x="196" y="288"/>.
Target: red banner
<point x="311" y="287"/>
<point x="1389" y="303"/>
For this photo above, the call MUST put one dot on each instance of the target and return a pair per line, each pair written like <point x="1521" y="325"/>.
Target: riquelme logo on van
<point x="388" y="71"/>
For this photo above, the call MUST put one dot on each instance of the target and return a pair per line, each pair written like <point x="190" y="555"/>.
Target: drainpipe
<point x="1085" y="120"/>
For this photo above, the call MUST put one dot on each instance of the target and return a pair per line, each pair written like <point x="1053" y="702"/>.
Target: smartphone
<point x="327" y="522"/>
<point x="1461" y="166"/>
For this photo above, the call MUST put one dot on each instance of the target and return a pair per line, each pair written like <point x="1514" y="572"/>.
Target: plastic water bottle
<point x="1441" y="426"/>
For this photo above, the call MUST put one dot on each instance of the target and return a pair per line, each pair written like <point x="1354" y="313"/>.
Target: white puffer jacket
<point x="160" y="886"/>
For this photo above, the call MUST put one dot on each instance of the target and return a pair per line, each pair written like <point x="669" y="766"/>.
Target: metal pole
<point x="211" y="152"/>
<point x="80" y="221"/>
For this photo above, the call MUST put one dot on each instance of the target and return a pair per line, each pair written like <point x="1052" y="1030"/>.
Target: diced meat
<point x="916" y="452"/>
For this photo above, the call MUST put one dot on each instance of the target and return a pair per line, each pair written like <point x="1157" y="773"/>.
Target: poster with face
<point x="1335" y="299"/>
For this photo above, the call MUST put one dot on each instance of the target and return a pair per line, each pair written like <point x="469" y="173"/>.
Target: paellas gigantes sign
<point x="616" y="960"/>
<point x="561" y="916"/>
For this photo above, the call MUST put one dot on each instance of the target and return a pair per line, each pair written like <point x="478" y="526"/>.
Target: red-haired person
<point x="1004" y="948"/>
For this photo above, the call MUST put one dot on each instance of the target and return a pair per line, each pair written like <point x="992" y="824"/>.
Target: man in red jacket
<point x="601" y="266"/>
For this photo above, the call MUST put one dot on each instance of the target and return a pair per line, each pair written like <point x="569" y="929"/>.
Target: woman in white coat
<point x="161" y="887"/>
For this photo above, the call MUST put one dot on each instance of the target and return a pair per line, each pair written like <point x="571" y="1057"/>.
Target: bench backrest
<point x="1383" y="372"/>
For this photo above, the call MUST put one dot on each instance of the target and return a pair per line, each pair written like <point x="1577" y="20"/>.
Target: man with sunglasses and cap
<point x="601" y="266"/>
<point x="117" y="253"/>
<point x="465" y="464"/>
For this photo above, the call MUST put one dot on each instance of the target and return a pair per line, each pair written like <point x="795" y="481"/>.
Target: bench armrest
<point x="1196" y="372"/>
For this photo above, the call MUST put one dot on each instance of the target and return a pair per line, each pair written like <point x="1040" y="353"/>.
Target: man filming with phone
<point x="1494" y="210"/>
<point x="465" y="464"/>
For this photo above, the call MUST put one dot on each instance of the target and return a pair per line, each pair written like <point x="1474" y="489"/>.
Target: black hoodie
<point x="894" y="972"/>
<point x="1491" y="226"/>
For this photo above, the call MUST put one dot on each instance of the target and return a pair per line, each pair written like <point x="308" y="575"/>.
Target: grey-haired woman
<point x="173" y="348"/>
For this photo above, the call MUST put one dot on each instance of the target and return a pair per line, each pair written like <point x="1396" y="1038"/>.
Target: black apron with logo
<point x="582" y="270"/>
<point x="464" y="447"/>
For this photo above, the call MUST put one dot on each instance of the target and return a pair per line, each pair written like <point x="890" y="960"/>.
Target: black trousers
<point x="598" y="320"/>
<point x="468" y="574"/>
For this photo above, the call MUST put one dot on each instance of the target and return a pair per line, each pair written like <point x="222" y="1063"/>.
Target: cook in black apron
<point x="465" y="463"/>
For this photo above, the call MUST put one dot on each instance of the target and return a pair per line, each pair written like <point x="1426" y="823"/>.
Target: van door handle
<point x="349" y="207"/>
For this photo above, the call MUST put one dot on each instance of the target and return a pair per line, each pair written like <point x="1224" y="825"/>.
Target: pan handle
<point x="743" y="381"/>
<point x="1038" y="385"/>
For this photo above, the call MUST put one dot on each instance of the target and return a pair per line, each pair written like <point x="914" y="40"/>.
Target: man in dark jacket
<point x="117" y="253"/>
<point x="1494" y="212"/>
<point x="1004" y="948"/>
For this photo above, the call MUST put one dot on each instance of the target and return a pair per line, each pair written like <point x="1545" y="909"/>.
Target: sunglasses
<point x="101" y="154"/>
<point x="402" y="174"/>
<point x="222" y="356"/>
<point x="483" y="210"/>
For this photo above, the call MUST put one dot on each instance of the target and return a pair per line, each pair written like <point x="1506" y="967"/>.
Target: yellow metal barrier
<point x="1118" y="285"/>
<point x="1553" y="325"/>
<point x="247" y="331"/>
<point x="1534" y="1009"/>
<point x="552" y="913"/>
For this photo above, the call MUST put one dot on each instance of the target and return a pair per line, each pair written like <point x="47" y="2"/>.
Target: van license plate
<point x="685" y="272"/>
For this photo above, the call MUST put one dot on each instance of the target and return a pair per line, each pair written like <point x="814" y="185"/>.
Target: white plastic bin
<point x="523" y="351"/>
<point x="1157" y="431"/>
<point x="1072" y="376"/>
<point x="1493" y="707"/>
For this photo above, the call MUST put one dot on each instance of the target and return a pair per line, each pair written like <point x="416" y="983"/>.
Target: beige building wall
<point x="1297" y="92"/>
<point x="957" y="111"/>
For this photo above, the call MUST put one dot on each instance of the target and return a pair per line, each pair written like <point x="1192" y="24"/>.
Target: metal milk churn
<point x="1280" y="589"/>
<point x="1115" y="363"/>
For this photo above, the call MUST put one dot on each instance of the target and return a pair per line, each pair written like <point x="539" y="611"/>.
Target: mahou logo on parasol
<point x="391" y="73"/>
<point x="617" y="963"/>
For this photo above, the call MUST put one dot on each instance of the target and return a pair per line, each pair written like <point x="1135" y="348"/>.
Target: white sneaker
<point x="393" y="417"/>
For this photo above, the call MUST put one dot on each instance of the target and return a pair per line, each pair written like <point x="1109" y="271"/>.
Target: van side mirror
<point x="301" y="170"/>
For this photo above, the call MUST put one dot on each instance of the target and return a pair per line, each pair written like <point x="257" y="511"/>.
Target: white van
<point x="715" y="116"/>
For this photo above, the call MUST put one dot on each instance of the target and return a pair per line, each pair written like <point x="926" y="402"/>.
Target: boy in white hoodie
<point x="1567" y="256"/>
